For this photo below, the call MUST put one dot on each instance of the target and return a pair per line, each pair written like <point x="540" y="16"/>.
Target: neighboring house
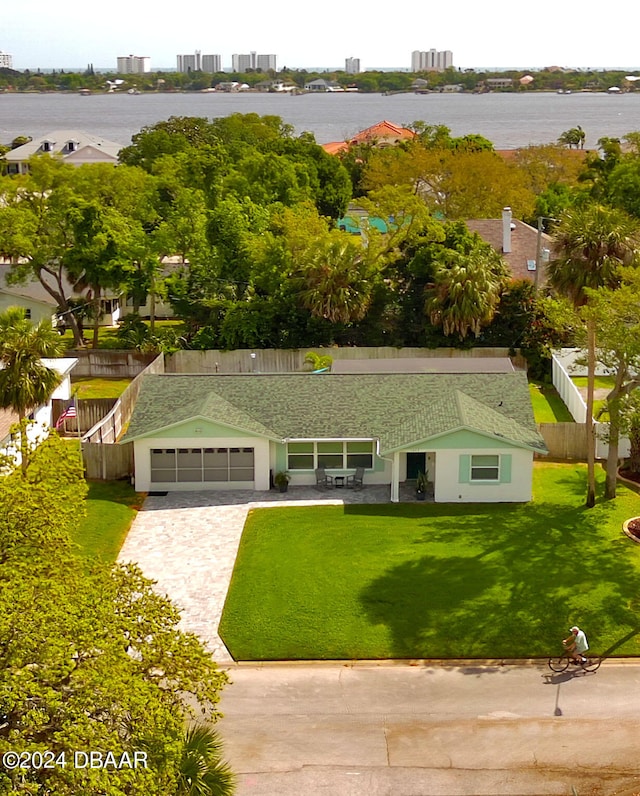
<point x="498" y="82"/>
<point x="274" y="86"/>
<point x="517" y="242"/>
<point x="38" y="303"/>
<point x="322" y="85"/>
<point x="41" y="414"/>
<point x="73" y="146"/>
<point x="383" y="134"/>
<point x="472" y="433"/>
<point x="32" y="297"/>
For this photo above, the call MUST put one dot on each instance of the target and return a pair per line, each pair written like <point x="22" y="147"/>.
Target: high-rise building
<point x="6" y="60"/>
<point x="189" y="63"/>
<point x="134" y="64"/>
<point x="246" y="61"/>
<point x="212" y="63"/>
<point x="266" y="62"/>
<point x="199" y="63"/>
<point x="352" y="66"/>
<point x="431" y="60"/>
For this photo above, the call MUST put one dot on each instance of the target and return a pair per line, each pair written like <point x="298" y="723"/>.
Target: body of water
<point x="508" y="120"/>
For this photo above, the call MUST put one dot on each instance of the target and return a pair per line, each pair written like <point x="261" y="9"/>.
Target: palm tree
<point x="592" y="243"/>
<point x="25" y="382"/>
<point x="335" y="279"/>
<point x="466" y="292"/>
<point x="201" y="772"/>
<point x="574" y="137"/>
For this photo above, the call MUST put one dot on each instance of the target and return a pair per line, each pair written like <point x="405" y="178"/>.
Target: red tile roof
<point x="383" y="132"/>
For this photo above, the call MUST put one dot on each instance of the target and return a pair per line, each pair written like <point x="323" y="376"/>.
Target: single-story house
<point x="38" y="303"/>
<point x="322" y="85"/>
<point x="473" y="434"/>
<point x="73" y="146"/>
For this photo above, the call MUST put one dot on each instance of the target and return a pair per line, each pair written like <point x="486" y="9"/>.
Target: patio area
<point x="378" y="493"/>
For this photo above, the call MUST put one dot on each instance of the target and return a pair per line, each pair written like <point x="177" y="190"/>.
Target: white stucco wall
<point x="142" y="453"/>
<point x="449" y="490"/>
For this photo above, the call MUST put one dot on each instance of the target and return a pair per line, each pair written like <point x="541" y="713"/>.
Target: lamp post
<point x="539" y="247"/>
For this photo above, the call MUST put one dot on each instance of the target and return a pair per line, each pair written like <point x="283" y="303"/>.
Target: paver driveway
<point x="187" y="542"/>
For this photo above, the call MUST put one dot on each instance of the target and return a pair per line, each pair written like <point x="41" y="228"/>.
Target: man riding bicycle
<point x="576" y="645"/>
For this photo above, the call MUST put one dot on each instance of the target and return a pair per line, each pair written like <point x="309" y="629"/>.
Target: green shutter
<point x="505" y="468"/>
<point x="464" y="468"/>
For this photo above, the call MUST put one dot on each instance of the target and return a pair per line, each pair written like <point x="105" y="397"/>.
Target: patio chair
<point x="355" y="481"/>
<point x="322" y="479"/>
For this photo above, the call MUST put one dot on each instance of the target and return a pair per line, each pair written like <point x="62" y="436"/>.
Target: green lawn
<point x="91" y="387"/>
<point x="413" y="581"/>
<point x="111" y="507"/>
<point x="548" y="406"/>
<point x="107" y="335"/>
<point x="601" y="383"/>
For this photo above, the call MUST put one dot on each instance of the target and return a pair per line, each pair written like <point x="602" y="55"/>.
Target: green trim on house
<point x="464" y="468"/>
<point x="207" y="430"/>
<point x="505" y="468"/>
<point x="465" y="439"/>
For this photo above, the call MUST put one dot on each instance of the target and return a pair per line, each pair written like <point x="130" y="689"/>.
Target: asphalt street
<point x="429" y="730"/>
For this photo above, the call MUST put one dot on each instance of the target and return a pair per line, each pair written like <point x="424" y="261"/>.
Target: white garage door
<point x="189" y="465"/>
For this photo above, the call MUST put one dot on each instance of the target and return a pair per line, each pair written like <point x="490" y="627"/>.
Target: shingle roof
<point x="397" y="409"/>
<point x="98" y="148"/>
<point x="524" y="242"/>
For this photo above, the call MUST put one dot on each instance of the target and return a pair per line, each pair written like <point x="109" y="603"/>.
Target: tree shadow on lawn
<point x="522" y="577"/>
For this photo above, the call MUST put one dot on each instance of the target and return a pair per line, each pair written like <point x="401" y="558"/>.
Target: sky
<point x="542" y="33"/>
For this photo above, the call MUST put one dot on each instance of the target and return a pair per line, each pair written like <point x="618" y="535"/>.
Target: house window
<point x="337" y="455"/>
<point x="485" y="468"/>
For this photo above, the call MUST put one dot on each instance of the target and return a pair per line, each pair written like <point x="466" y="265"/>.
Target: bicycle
<point x="561" y="663"/>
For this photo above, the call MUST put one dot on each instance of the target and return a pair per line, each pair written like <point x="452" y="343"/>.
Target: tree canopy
<point x="92" y="657"/>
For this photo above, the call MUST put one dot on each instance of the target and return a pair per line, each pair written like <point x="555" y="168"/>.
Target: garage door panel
<point x="198" y="465"/>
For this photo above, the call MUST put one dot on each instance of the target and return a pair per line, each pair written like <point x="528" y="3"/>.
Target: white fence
<point x="567" y="363"/>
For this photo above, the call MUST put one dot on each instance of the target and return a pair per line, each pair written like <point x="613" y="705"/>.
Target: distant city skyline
<point x="549" y="34"/>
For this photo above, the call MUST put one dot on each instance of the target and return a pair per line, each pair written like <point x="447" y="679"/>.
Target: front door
<point x="416" y="463"/>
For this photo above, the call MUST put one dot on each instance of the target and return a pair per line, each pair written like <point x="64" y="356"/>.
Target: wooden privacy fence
<point x="108" y="428"/>
<point x="88" y="412"/>
<point x="565" y="440"/>
<point x="107" y="462"/>
<point x="292" y="360"/>
<point x="110" y="364"/>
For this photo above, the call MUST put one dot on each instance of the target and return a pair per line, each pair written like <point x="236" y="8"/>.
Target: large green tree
<point x="592" y="243"/>
<point x="616" y="315"/>
<point x="91" y="658"/>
